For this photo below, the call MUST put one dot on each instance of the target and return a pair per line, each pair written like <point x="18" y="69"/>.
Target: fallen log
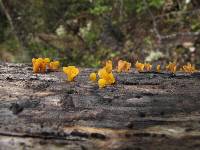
<point x="141" y="111"/>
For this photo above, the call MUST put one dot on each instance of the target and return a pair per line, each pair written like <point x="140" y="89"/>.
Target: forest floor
<point x="141" y="111"/>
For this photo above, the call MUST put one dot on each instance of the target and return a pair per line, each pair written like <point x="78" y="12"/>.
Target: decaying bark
<point x="142" y="111"/>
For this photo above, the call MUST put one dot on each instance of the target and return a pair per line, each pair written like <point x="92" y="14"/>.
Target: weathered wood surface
<point x="142" y="111"/>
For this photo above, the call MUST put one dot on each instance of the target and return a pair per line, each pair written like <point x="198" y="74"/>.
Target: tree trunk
<point x="141" y="111"/>
<point x="12" y="27"/>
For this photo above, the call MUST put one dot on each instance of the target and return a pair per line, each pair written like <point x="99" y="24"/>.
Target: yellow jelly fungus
<point x="71" y="72"/>
<point x="120" y="65"/>
<point x="102" y="83"/>
<point x="33" y="60"/>
<point x="171" y="67"/>
<point x="36" y="66"/>
<point x="123" y="66"/>
<point x="108" y="77"/>
<point x="54" y="65"/>
<point x="108" y="66"/>
<point x="40" y="64"/>
<point x="189" y="68"/>
<point x="93" y="76"/>
<point x="139" y="66"/>
<point x="43" y="66"/>
<point x="158" y="68"/>
<point x="47" y="60"/>
<point x="148" y="66"/>
<point x="102" y="73"/>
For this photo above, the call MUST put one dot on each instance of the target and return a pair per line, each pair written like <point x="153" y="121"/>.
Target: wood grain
<point x="142" y="111"/>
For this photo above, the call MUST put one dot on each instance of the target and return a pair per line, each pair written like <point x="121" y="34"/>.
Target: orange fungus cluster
<point x="104" y="76"/>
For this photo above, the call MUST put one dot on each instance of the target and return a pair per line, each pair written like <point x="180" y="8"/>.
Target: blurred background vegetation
<point x="86" y="32"/>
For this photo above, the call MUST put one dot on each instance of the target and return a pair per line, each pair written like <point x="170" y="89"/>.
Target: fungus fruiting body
<point x="105" y="75"/>
<point x="71" y="72"/>
<point x="189" y="68"/>
<point x="102" y="83"/>
<point x="139" y="66"/>
<point x="108" y="67"/>
<point x="93" y="77"/>
<point x="40" y="64"/>
<point x="171" y="67"/>
<point x="47" y="60"/>
<point x="54" y="65"/>
<point x="158" y="68"/>
<point x="147" y="66"/>
<point x="108" y="77"/>
<point x="123" y="66"/>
